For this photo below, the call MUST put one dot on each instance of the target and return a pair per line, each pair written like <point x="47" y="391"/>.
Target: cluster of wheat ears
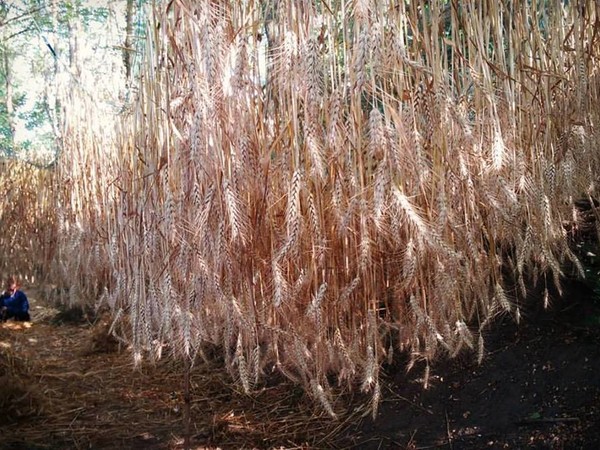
<point x="315" y="187"/>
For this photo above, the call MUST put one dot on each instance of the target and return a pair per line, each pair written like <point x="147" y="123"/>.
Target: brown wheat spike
<point x="281" y="288"/>
<point x="348" y="361"/>
<point x="255" y="364"/>
<point x="314" y="146"/>
<point x="301" y="354"/>
<point x="317" y="299"/>
<point x="377" y="138"/>
<point x="314" y="217"/>
<point x="501" y="298"/>
<point x="360" y="56"/>
<point x="370" y="371"/>
<point x="293" y="209"/>
<point x="375" y="400"/>
<point x="553" y="265"/>
<point x="465" y="334"/>
<point x="313" y="73"/>
<point x="321" y="395"/>
<point x="480" y="349"/>
<point x="498" y="150"/>
<point x="347" y="291"/>
<point x="426" y="375"/>
<point x="365" y="246"/>
<point x="380" y="196"/>
<point x="238" y="220"/>
<point x="575" y="261"/>
<point x="333" y="132"/>
<point x="242" y="366"/>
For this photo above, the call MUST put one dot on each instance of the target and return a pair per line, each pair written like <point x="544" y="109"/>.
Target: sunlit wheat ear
<point x="380" y="191"/>
<point x="525" y="249"/>
<point x="319" y="393"/>
<point x="348" y="360"/>
<point x="426" y="375"/>
<point x="413" y="217"/>
<point x="365" y="248"/>
<point x="348" y="290"/>
<point x="314" y="309"/>
<point x="369" y="377"/>
<point x="409" y="264"/>
<point x="334" y="122"/>
<point x="360" y="55"/>
<point x="315" y="224"/>
<point x="464" y="333"/>
<point x="293" y="218"/>
<point x="238" y="220"/>
<point x="571" y="257"/>
<point x="313" y="73"/>
<point x="242" y="365"/>
<point x="546" y="298"/>
<point x="498" y="150"/>
<point x="501" y="298"/>
<point x="312" y="137"/>
<point x="554" y="266"/>
<point x="360" y="9"/>
<point x="280" y="285"/>
<point x="480" y="349"/>
<point x="375" y="400"/>
<point x="377" y="138"/>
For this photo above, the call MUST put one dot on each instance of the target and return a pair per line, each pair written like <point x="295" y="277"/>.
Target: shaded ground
<point x="63" y="385"/>
<point x="539" y="387"/>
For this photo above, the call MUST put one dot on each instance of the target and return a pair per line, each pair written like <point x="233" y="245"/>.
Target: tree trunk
<point x="10" y="108"/>
<point x="53" y="98"/>
<point x="127" y="46"/>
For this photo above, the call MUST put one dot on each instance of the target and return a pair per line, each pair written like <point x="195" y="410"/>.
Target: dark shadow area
<point x="537" y="388"/>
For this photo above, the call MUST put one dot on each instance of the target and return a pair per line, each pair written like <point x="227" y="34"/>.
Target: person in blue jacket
<point x="13" y="302"/>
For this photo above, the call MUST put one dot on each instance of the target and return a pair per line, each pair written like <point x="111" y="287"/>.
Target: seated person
<point x="13" y="302"/>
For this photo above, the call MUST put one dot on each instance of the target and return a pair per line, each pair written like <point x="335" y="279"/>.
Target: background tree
<point x="127" y="45"/>
<point x="7" y="127"/>
<point x="8" y="101"/>
<point x="66" y="56"/>
<point x="50" y="50"/>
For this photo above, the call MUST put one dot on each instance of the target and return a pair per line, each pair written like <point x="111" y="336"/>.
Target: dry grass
<point x="400" y="164"/>
<point x="69" y="396"/>
<point x="19" y="399"/>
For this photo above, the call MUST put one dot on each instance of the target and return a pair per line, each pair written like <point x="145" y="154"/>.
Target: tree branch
<point x="21" y="16"/>
<point x="24" y="30"/>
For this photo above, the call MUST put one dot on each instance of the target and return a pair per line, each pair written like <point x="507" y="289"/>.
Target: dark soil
<point x="537" y="388"/>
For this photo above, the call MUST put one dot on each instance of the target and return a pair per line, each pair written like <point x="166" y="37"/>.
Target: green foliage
<point x="67" y="12"/>
<point x="64" y="27"/>
<point x="6" y="135"/>
<point x="77" y="10"/>
<point x="37" y="116"/>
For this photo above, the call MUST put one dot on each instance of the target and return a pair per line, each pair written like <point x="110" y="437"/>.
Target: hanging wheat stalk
<point x="311" y="186"/>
